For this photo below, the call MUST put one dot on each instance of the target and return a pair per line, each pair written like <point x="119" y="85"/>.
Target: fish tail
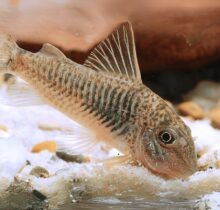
<point x="8" y="50"/>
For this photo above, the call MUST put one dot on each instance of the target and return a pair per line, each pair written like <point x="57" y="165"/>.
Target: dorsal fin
<point x="116" y="54"/>
<point x="49" y="49"/>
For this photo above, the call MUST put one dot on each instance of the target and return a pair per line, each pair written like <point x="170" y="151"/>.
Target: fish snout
<point x="181" y="170"/>
<point x="168" y="166"/>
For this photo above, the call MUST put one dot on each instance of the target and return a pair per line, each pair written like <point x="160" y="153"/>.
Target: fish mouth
<point x="162" y="167"/>
<point x="164" y="171"/>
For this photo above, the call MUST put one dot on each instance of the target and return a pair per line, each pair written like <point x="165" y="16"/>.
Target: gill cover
<point x="169" y="159"/>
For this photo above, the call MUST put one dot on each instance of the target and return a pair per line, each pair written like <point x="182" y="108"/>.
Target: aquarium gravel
<point x="60" y="181"/>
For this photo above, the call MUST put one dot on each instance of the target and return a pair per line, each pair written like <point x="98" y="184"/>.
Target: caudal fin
<point x="8" y="49"/>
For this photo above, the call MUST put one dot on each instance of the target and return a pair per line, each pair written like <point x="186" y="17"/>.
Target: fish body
<point x="107" y="96"/>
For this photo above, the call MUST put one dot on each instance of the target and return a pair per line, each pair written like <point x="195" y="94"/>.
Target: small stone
<point x="74" y="201"/>
<point x="214" y="116"/>
<point x="39" y="195"/>
<point x="191" y="109"/>
<point x="39" y="171"/>
<point x="218" y="164"/>
<point x="72" y="158"/>
<point x="202" y="152"/>
<point x="203" y="167"/>
<point x="46" y="145"/>
<point x="3" y="128"/>
<point x="51" y="127"/>
<point x="7" y="79"/>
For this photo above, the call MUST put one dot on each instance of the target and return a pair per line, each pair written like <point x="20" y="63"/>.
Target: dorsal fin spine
<point x="105" y="57"/>
<point x="112" y="51"/>
<point x="116" y="54"/>
<point x="126" y="40"/>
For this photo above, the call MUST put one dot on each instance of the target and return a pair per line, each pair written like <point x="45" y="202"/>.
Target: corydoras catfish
<point x="107" y="96"/>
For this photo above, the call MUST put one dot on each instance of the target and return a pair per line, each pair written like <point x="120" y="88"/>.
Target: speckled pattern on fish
<point x="107" y="96"/>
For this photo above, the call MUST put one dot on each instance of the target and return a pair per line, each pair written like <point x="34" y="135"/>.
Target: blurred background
<point x="181" y="38"/>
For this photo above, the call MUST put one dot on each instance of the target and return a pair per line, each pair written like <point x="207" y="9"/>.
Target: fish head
<point x="167" y="149"/>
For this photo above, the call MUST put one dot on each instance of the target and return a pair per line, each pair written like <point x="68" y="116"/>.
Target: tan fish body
<point x="107" y="96"/>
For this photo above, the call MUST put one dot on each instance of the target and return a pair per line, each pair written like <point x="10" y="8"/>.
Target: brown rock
<point x="169" y="34"/>
<point x="191" y="109"/>
<point x="46" y="145"/>
<point x="203" y="167"/>
<point x="214" y="116"/>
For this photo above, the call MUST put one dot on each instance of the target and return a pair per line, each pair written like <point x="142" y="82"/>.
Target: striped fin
<point x="116" y="54"/>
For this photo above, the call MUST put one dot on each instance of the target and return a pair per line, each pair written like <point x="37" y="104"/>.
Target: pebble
<point x="191" y="109"/>
<point x="49" y="127"/>
<point x="39" y="195"/>
<point x="39" y="171"/>
<point x="214" y="116"/>
<point x="202" y="152"/>
<point x="72" y="158"/>
<point x="3" y="128"/>
<point x="46" y="145"/>
<point x="7" y="79"/>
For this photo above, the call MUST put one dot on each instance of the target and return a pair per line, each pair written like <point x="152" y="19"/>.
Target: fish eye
<point x="166" y="137"/>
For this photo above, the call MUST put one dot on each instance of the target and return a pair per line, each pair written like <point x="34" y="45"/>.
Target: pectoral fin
<point x="77" y="141"/>
<point x="20" y="94"/>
